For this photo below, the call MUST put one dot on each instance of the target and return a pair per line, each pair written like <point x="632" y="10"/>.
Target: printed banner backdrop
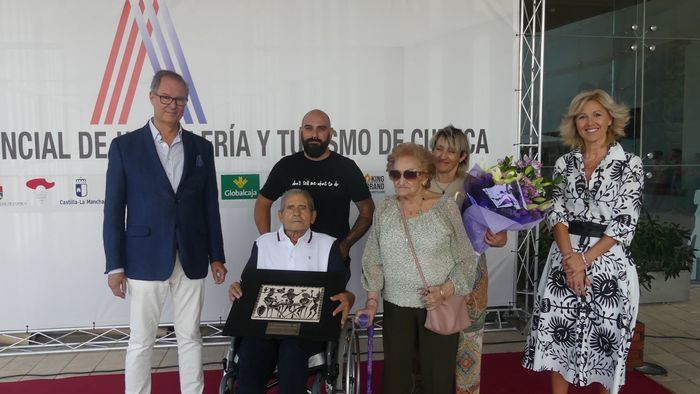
<point x="73" y="75"/>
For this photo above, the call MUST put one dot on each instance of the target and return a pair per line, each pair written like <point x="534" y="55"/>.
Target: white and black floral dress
<point x="586" y="339"/>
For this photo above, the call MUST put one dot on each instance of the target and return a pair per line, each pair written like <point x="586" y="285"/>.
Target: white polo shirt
<point x="276" y="251"/>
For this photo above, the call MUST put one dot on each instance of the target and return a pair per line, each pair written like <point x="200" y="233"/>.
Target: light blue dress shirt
<point x="172" y="156"/>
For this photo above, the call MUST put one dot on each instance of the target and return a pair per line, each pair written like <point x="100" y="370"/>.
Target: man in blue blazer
<point x="162" y="231"/>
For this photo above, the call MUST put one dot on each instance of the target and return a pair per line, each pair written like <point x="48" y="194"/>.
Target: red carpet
<point x="501" y="374"/>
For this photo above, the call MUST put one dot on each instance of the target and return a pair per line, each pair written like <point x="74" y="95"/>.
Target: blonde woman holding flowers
<point x="450" y="148"/>
<point x="588" y="296"/>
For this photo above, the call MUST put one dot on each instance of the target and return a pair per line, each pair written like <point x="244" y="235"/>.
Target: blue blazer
<point x="145" y="221"/>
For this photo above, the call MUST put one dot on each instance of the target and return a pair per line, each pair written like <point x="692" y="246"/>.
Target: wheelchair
<point x="334" y="371"/>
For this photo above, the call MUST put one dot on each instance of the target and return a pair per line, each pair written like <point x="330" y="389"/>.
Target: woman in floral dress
<point x="588" y="296"/>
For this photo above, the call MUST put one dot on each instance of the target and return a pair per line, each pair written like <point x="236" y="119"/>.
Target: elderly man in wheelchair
<point x="294" y="247"/>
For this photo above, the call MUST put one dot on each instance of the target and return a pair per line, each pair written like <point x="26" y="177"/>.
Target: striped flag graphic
<point x="145" y="28"/>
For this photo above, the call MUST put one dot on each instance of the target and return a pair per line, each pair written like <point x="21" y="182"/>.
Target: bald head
<point x="317" y="116"/>
<point x="316" y="134"/>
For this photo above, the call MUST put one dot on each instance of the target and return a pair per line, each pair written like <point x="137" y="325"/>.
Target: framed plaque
<point x="278" y="303"/>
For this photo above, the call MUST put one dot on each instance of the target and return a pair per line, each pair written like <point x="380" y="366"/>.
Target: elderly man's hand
<point x="117" y="283"/>
<point x="235" y="291"/>
<point x="347" y="299"/>
<point x="218" y="272"/>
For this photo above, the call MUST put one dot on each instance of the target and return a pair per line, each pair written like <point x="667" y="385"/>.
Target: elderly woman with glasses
<point x="447" y="260"/>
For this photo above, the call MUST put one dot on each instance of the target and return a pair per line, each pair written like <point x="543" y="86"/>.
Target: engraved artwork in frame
<point x="278" y="303"/>
<point x="288" y="303"/>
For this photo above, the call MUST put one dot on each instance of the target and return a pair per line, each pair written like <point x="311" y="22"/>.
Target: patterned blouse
<point x="441" y="245"/>
<point x="613" y="197"/>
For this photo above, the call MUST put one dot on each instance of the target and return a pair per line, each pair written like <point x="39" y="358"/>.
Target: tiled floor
<point x="680" y="357"/>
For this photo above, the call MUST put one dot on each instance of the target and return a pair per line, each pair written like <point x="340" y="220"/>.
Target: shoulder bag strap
<point x="410" y="246"/>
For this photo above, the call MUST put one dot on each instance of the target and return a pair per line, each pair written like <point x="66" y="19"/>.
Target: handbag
<point x="451" y="316"/>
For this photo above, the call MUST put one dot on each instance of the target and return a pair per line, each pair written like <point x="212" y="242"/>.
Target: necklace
<point x="441" y="187"/>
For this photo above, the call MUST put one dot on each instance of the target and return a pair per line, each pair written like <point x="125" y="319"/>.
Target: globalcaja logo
<point x="375" y="183"/>
<point x="240" y="187"/>
<point x="81" y="187"/>
<point x="152" y="17"/>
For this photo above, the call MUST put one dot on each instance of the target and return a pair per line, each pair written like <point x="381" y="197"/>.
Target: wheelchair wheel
<point x="226" y="384"/>
<point x="348" y="362"/>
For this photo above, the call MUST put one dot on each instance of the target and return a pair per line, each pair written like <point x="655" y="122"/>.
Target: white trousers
<point x="147" y="300"/>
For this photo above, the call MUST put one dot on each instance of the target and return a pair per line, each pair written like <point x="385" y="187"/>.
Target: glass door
<point x="670" y="113"/>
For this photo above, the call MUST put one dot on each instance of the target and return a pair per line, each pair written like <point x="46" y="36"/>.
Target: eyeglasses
<point x="167" y="100"/>
<point x="408" y="175"/>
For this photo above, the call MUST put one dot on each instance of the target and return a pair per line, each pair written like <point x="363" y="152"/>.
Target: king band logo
<point x="375" y="183"/>
<point x="81" y="187"/>
<point x="150" y="27"/>
<point x="240" y="186"/>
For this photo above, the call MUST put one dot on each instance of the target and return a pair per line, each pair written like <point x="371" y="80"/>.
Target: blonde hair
<point x="455" y="139"/>
<point x="618" y="112"/>
<point x="418" y="152"/>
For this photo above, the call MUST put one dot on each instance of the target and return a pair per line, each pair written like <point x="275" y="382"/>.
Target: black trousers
<point x="257" y="358"/>
<point x="405" y="336"/>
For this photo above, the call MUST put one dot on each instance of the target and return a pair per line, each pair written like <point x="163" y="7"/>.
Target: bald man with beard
<point x="332" y="180"/>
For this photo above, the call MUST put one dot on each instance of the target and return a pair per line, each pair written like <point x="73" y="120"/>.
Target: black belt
<point x="587" y="229"/>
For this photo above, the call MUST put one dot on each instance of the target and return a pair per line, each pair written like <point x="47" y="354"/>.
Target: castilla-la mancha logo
<point x="146" y="30"/>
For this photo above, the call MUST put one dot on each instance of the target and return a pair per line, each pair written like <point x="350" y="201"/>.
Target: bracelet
<point x="585" y="262"/>
<point x="372" y="299"/>
<point x="565" y="255"/>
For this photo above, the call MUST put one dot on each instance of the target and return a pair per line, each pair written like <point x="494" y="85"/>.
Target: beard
<point x="317" y="149"/>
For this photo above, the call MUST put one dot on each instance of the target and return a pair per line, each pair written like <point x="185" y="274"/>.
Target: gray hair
<point x="155" y="82"/>
<point x="309" y="199"/>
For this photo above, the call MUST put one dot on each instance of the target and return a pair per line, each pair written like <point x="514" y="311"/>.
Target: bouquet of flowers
<point x="511" y="195"/>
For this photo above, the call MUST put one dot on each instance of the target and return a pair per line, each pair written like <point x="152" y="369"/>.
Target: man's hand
<point x="235" y="291"/>
<point x="117" y="283"/>
<point x="347" y="299"/>
<point x="496" y="240"/>
<point x="218" y="271"/>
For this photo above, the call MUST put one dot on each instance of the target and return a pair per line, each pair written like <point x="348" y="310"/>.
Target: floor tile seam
<point x="94" y="364"/>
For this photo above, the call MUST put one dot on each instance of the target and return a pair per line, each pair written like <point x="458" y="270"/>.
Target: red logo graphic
<point x="36" y="182"/>
<point x="151" y="34"/>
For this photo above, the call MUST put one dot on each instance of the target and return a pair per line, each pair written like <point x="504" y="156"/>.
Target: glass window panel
<point x="620" y="18"/>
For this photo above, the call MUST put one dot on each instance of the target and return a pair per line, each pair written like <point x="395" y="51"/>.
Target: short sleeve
<point x="277" y="182"/>
<point x="357" y="185"/>
<point x="628" y="204"/>
<point x="557" y="212"/>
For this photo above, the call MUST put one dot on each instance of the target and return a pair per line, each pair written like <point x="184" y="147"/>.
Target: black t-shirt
<point x="332" y="182"/>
